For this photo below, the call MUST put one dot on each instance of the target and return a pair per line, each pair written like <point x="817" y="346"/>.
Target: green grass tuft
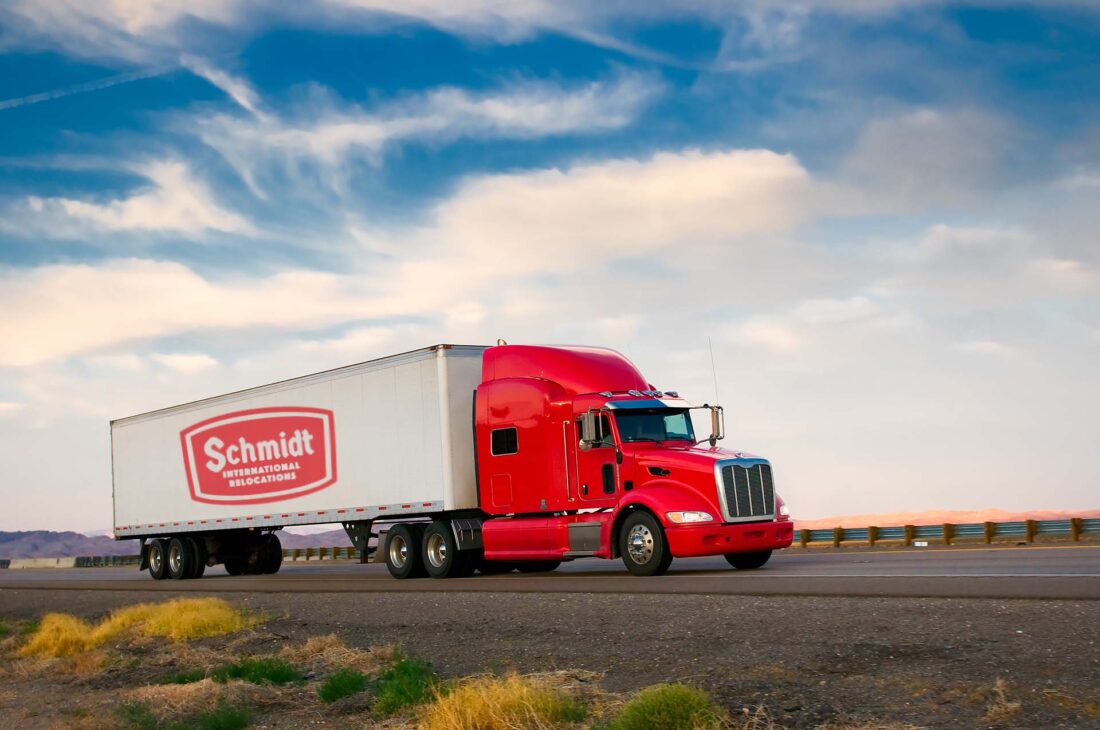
<point x="340" y="684"/>
<point x="259" y="670"/>
<point x="222" y="717"/>
<point x="137" y="716"/>
<point x="5" y="628"/>
<point x="185" y="676"/>
<point x="407" y="683"/>
<point x="669" y="706"/>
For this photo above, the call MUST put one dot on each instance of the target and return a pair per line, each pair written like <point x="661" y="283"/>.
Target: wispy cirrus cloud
<point x="327" y="135"/>
<point x="175" y="201"/>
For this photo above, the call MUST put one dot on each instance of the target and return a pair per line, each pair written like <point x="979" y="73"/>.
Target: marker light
<point x="682" y="517"/>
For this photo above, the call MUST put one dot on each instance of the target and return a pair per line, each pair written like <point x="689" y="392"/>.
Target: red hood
<point x="692" y="457"/>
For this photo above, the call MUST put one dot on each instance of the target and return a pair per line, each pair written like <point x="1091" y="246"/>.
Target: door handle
<point x="584" y="489"/>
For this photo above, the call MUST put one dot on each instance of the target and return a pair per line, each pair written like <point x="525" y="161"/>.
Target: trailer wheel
<point x="198" y="545"/>
<point x="158" y="558"/>
<point x="538" y="566"/>
<point x="181" y="558"/>
<point x="643" y="545"/>
<point x="748" y="561"/>
<point x="403" y="551"/>
<point x="235" y="566"/>
<point x="271" y="556"/>
<point x="441" y="557"/>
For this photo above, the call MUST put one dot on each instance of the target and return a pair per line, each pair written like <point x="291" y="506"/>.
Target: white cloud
<point x="61" y="310"/>
<point x="185" y="362"/>
<point x="236" y="88"/>
<point x="8" y="409"/>
<point x="330" y="135"/>
<point x="986" y="347"/>
<point x="177" y="203"/>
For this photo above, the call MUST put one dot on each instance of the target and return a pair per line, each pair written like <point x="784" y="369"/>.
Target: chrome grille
<point x="747" y="492"/>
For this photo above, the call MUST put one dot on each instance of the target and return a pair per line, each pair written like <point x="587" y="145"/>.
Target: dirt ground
<point x="808" y="662"/>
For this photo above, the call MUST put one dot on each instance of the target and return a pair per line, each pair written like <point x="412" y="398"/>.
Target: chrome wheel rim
<point x="399" y="551"/>
<point x="175" y="560"/>
<point x="437" y="550"/>
<point x="639" y="543"/>
<point x="156" y="559"/>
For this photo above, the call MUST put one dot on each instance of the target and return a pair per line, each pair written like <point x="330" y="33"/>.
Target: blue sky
<point x="882" y="215"/>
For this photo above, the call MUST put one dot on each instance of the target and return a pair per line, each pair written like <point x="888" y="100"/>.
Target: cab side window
<point x="504" y="441"/>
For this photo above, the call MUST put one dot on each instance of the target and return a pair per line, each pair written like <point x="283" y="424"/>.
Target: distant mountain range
<point x="46" y="544"/>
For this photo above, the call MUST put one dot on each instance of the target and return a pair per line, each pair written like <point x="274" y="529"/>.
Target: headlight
<point x="682" y="517"/>
<point x="783" y="510"/>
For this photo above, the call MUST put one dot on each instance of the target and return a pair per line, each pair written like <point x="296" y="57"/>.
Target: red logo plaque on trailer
<point x="260" y="455"/>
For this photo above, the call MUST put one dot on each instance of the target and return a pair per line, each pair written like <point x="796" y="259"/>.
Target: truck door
<point x="597" y="472"/>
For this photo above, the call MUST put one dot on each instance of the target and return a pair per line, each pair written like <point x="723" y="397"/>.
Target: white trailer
<point x="210" y="481"/>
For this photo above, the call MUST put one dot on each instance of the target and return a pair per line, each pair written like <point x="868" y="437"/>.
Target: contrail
<point x="84" y="88"/>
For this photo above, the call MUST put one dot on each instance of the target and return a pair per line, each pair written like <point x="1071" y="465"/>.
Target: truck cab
<point x="577" y="455"/>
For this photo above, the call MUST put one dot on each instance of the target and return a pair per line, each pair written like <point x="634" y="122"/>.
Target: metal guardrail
<point x="949" y="533"/>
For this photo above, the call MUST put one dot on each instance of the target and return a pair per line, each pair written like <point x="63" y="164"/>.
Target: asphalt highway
<point x="1043" y="572"/>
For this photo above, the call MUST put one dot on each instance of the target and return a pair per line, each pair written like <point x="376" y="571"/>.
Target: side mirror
<point x="717" y="425"/>
<point x="588" y="431"/>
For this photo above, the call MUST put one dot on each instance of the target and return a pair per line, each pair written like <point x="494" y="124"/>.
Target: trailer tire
<point x="538" y="566"/>
<point x="235" y="566"/>
<point x="198" y="546"/>
<point x="158" y="558"/>
<point x="403" y="551"/>
<point x="271" y="556"/>
<point x="181" y="558"/>
<point x="440" y="555"/>
<point x="749" y="561"/>
<point x="643" y="545"/>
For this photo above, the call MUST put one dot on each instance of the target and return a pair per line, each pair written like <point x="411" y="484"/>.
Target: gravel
<point x="807" y="661"/>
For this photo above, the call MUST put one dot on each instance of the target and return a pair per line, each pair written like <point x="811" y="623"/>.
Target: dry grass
<point x="998" y="707"/>
<point x="187" y="618"/>
<point x="1068" y="702"/>
<point x="169" y="701"/>
<point x="328" y="653"/>
<point x="868" y="725"/>
<point x="502" y="703"/>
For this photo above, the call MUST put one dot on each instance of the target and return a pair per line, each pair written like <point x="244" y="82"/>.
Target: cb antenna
<point x="713" y="370"/>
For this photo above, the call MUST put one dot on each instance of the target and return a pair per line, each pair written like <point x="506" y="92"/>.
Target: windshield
<point x="655" y="424"/>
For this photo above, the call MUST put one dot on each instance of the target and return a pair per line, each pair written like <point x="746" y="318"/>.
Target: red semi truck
<point x="492" y="459"/>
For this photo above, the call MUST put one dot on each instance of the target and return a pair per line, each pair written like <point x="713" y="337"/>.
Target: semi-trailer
<point x="490" y="459"/>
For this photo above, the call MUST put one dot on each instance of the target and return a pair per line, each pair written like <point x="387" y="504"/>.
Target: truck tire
<point x="198" y="545"/>
<point x="181" y="558"/>
<point x="748" y="561"/>
<point x="643" y="545"/>
<point x="440" y="555"/>
<point x="158" y="558"/>
<point x="403" y="551"/>
<point x="271" y="556"/>
<point x="236" y="566"/>
<point x="538" y="566"/>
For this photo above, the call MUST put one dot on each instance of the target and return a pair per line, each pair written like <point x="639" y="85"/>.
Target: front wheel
<point x="643" y="546"/>
<point x="748" y="561"/>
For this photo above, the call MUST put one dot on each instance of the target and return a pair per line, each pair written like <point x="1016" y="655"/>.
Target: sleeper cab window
<point x="505" y="441"/>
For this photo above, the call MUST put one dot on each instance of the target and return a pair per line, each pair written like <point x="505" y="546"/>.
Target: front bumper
<point x="688" y="541"/>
